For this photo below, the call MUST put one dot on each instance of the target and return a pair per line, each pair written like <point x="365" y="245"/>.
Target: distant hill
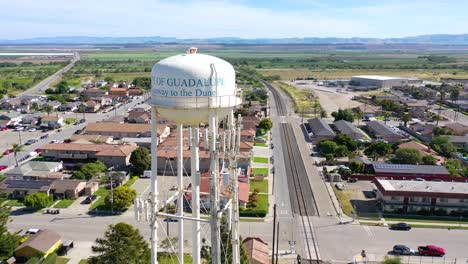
<point x="441" y="39"/>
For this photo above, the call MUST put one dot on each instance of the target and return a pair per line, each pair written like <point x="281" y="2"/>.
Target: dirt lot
<point x="358" y="197"/>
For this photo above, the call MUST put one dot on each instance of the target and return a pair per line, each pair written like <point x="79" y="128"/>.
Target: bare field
<point x="433" y="75"/>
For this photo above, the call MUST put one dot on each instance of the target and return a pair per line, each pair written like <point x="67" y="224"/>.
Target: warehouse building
<point x="376" y="82"/>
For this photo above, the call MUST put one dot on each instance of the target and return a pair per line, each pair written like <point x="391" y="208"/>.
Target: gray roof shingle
<point x="320" y="128"/>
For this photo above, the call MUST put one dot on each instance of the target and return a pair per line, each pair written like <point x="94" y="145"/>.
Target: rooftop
<point x="320" y="128"/>
<point x="424" y="186"/>
<point x="43" y="241"/>
<point x="378" y="77"/>
<point x="115" y="127"/>
<point x="406" y="168"/>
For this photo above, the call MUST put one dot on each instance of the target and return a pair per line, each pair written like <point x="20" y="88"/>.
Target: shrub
<point x="37" y="200"/>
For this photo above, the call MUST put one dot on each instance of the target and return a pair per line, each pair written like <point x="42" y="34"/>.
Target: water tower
<point x="191" y="89"/>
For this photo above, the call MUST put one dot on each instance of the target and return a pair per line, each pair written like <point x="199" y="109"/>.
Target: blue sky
<point x="231" y="18"/>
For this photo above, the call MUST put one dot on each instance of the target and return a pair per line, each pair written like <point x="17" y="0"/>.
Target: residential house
<point x="320" y="130"/>
<point x="31" y="119"/>
<point x="89" y="106"/>
<point x="101" y="83"/>
<point x="224" y="188"/>
<point x="13" y="118"/>
<point x="121" y="130"/>
<point x="417" y="108"/>
<point x="383" y="132"/>
<point x="248" y="135"/>
<point x="368" y="110"/>
<point x="54" y="104"/>
<point x="423" y="150"/>
<point x="67" y="189"/>
<point x="94" y="92"/>
<point x="11" y="104"/>
<point x="68" y="107"/>
<point x="36" y="170"/>
<point x="460" y="142"/>
<point x="134" y="92"/>
<point x="250" y="122"/>
<point x="257" y="250"/>
<point x="457" y="128"/>
<point x="139" y="117"/>
<point x="112" y="155"/>
<point x="123" y="92"/>
<point x="423" y="129"/>
<point x="91" y="138"/>
<point x="18" y="189"/>
<point x="91" y="188"/>
<point x="347" y="128"/>
<point x="39" y="245"/>
<point x="52" y="122"/>
<point x="423" y="197"/>
<point x="406" y="171"/>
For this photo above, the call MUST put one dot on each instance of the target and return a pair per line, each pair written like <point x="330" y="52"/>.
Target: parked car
<point x="38" y="150"/>
<point x="260" y="139"/>
<point x="400" y="226"/>
<point x="431" y="250"/>
<point x="32" y="231"/>
<point x="168" y="219"/>
<point x="7" y="152"/>
<point x="54" y="141"/>
<point x="78" y="131"/>
<point x="19" y="128"/>
<point x="82" y="120"/>
<point x="4" y="129"/>
<point x="32" y="129"/>
<point x="30" y="142"/>
<point x="402" y="250"/>
<point x="90" y="199"/>
<point x="44" y="136"/>
<point x="419" y="179"/>
<point x="3" y="167"/>
<point x="76" y="123"/>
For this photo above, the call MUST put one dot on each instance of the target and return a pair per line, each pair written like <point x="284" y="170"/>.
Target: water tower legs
<point x="154" y="188"/>
<point x="195" y="167"/>
<point x="214" y="195"/>
<point x="180" y="182"/>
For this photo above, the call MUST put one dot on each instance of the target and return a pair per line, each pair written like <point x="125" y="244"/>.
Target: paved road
<point x="44" y="84"/>
<point x="450" y="114"/>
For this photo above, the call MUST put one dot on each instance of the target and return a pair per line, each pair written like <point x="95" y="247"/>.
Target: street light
<point x="19" y="135"/>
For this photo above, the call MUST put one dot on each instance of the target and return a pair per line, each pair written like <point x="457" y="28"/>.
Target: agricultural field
<point x="15" y="78"/>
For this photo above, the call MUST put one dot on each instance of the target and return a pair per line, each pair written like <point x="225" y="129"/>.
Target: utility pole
<point x="180" y="180"/>
<point x="274" y="234"/>
<point x="19" y="135"/>
<point x="277" y="241"/>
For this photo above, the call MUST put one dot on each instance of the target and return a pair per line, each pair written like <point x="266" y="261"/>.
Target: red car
<point x="4" y="129"/>
<point x="38" y="150"/>
<point x="7" y="152"/>
<point x="2" y="167"/>
<point x="431" y="250"/>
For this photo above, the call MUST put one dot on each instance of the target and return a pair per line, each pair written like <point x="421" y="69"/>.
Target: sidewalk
<point x="384" y="222"/>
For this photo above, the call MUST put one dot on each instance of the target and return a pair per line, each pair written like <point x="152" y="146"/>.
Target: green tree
<point x="142" y="82"/>
<point x="443" y="145"/>
<point x="89" y="170"/>
<point x="429" y="160"/>
<point x="327" y="147"/>
<point x="441" y="131"/>
<point x="359" y="115"/>
<point x="109" y="79"/>
<point x="15" y="148"/>
<point x="8" y="241"/>
<point x="122" y="244"/>
<point x="62" y="87"/>
<point x="266" y="124"/>
<point x="323" y="113"/>
<point x="226" y="245"/>
<point x="345" y="114"/>
<point x="378" y="149"/>
<point x="347" y="141"/>
<point x="140" y="160"/>
<point x="37" y="200"/>
<point x="123" y="198"/>
<point x="48" y="109"/>
<point x="6" y="85"/>
<point x="456" y="168"/>
<point x="406" y="118"/>
<point x="357" y="167"/>
<point x="407" y="156"/>
<point x="341" y="151"/>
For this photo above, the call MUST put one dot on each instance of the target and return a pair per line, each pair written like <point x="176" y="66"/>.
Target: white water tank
<point x="186" y="88"/>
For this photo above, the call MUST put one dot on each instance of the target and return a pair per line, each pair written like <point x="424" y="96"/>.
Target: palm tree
<point x="454" y="95"/>
<point x="441" y="99"/>
<point x="406" y="118"/>
<point x="359" y="116"/>
<point x="15" y="148"/>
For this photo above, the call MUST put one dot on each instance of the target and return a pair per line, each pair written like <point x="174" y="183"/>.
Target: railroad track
<point x="300" y="192"/>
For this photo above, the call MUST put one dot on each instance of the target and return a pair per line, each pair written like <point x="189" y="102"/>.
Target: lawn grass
<point x="344" y="198"/>
<point x="62" y="260"/>
<point x="14" y="203"/>
<point x="83" y="261"/>
<point x="302" y="99"/>
<point x="70" y="120"/>
<point x="165" y="258"/>
<point x="130" y="182"/>
<point x="64" y="203"/>
<point x="263" y="171"/>
<point x="261" y="186"/>
<point x="102" y="193"/>
<point x="260" y="160"/>
<point x="426" y="219"/>
<point x="258" y="144"/>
